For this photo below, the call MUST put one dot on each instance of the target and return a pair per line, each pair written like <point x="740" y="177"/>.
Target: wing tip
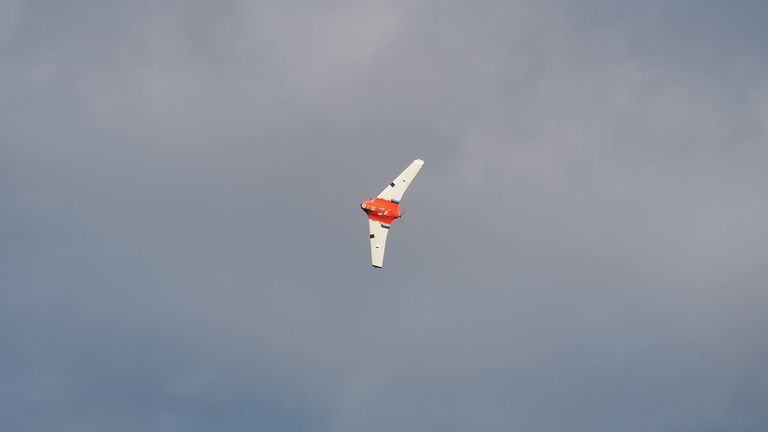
<point x="419" y="162"/>
<point x="375" y="266"/>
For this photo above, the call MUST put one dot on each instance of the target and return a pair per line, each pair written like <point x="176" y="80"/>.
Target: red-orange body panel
<point x="381" y="210"/>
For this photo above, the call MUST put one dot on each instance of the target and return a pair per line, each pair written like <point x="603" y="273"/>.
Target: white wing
<point x="397" y="188"/>
<point x="378" y="235"/>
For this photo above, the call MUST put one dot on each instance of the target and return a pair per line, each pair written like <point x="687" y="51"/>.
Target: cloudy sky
<point x="182" y="249"/>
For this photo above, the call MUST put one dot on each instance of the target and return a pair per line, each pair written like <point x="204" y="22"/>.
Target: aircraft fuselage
<point x="381" y="210"/>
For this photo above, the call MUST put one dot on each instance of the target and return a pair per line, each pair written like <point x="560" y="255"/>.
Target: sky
<point x="182" y="248"/>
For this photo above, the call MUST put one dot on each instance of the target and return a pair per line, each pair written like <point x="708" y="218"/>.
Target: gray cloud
<point x="182" y="247"/>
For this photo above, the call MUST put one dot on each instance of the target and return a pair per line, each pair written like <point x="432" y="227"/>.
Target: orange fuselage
<point x="381" y="210"/>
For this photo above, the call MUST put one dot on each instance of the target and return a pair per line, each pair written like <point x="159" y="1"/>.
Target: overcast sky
<point x="182" y="248"/>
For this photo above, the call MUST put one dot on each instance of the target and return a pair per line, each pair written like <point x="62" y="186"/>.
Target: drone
<point x="384" y="209"/>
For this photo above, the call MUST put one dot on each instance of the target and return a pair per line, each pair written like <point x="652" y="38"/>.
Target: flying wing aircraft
<point x="384" y="209"/>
